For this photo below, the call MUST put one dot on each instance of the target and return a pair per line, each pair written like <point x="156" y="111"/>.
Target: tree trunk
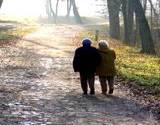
<point x="75" y="12"/>
<point x="127" y="9"/>
<point x="51" y="9"/>
<point x="1" y="1"/>
<point x="136" y="32"/>
<point x="125" y="20"/>
<point x="48" y="9"/>
<point x="113" y="9"/>
<point x="145" y="33"/>
<point x="145" y="5"/>
<point x="151" y="22"/>
<point x="154" y="15"/>
<point x="56" y="14"/>
<point x="68" y="8"/>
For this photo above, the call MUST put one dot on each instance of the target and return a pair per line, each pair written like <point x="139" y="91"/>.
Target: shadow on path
<point x="40" y="44"/>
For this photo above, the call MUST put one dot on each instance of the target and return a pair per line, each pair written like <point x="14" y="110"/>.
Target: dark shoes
<point x="110" y="91"/>
<point x="92" y="92"/>
<point x="104" y="93"/>
<point x="84" y="93"/>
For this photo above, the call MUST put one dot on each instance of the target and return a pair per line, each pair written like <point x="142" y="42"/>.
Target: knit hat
<point x="86" y="42"/>
<point x="103" y="44"/>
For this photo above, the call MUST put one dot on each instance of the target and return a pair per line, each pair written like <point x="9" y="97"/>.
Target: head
<point x="103" y="44"/>
<point x="86" y="42"/>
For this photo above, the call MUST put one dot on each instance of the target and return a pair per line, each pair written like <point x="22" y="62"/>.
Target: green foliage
<point x="5" y="35"/>
<point x="136" y="66"/>
<point x="130" y="63"/>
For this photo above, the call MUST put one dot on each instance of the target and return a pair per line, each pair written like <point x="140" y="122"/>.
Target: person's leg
<point x="111" y="84"/>
<point x="83" y="80"/>
<point x="103" y="83"/>
<point x="91" y="79"/>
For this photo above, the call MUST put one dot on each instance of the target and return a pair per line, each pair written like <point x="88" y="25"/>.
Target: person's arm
<point x="76" y="61"/>
<point x="114" y="54"/>
<point x="98" y="58"/>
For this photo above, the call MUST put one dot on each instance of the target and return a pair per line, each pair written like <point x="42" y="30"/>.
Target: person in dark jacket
<point x="85" y="61"/>
<point x="106" y="69"/>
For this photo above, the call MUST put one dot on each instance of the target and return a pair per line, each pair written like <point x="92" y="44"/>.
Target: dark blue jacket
<point x="86" y="59"/>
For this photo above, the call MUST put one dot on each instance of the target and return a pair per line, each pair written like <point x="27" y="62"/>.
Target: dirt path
<point x="39" y="87"/>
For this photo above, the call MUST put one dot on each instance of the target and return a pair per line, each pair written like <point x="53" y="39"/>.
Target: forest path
<point x="38" y="86"/>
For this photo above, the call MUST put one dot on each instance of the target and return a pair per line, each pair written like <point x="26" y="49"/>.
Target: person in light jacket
<point x="106" y="69"/>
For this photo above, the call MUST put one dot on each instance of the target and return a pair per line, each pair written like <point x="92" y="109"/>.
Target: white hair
<point x="103" y="43"/>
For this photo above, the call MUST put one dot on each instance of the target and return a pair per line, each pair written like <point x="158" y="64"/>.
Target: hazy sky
<point x="36" y="7"/>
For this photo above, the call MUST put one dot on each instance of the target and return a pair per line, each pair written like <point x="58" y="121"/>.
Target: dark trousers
<point x="103" y="80"/>
<point x="87" y="79"/>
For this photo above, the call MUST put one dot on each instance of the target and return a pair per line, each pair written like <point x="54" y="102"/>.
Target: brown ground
<point x="38" y="86"/>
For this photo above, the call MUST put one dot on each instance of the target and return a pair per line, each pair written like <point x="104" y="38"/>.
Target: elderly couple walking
<point x="89" y="61"/>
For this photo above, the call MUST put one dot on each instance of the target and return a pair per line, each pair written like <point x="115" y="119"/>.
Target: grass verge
<point x="15" y="33"/>
<point x="13" y="28"/>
